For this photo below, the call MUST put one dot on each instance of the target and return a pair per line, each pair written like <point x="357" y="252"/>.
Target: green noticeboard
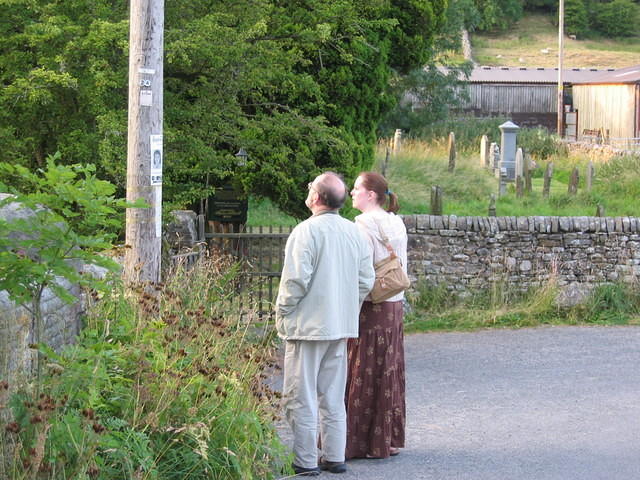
<point x="227" y="205"/>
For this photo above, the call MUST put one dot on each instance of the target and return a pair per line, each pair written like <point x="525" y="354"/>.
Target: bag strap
<point x="385" y="239"/>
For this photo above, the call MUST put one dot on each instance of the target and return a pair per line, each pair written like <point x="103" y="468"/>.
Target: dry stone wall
<point x="470" y="253"/>
<point x="62" y="323"/>
<point x="61" y="320"/>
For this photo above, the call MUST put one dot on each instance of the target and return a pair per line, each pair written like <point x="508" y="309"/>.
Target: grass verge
<point x="435" y="309"/>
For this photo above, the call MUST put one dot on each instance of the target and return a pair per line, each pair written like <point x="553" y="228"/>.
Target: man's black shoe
<point x="305" y="472"/>
<point x="333" y="467"/>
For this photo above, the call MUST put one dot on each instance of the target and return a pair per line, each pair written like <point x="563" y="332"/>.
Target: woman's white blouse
<point x="396" y="232"/>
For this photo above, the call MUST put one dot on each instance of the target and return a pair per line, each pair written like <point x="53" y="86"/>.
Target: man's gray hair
<point x="332" y="190"/>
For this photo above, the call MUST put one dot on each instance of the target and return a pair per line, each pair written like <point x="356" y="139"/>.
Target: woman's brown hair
<point x="377" y="184"/>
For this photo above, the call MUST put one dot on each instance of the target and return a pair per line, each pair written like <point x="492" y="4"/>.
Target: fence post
<point x="385" y="162"/>
<point x="492" y="205"/>
<point x="201" y="222"/>
<point x="548" y="173"/>
<point x="600" y="211"/>
<point x="452" y="151"/>
<point x="397" y="141"/>
<point x="436" y="200"/>
<point x="527" y="174"/>
<point x="519" y="187"/>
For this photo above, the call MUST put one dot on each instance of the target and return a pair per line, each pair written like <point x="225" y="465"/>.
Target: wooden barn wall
<point x="504" y="99"/>
<point x="612" y="107"/>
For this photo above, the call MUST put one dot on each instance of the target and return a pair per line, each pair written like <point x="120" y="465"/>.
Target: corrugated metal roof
<point x="623" y="75"/>
<point x="534" y="75"/>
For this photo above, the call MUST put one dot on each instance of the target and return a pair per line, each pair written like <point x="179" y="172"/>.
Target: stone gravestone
<point x="508" y="149"/>
<point x="484" y="152"/>
<point x="573" y="182"/>
<point x="495" y="159"/>
<point x="590" y="175"/>
<point x="519" y="163"/>
<point x="397" y="141"/>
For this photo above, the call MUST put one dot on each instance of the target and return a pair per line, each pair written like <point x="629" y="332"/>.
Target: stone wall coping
<point x="420" y="224"/>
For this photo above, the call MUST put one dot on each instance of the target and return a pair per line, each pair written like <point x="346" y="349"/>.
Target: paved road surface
<point x="556" y="403"/>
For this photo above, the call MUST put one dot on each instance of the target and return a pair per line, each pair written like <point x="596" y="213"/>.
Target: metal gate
<point x="259" y="252"/>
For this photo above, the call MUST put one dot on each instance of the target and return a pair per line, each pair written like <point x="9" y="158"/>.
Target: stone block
<point x="522" y="224"/>
<point x="422" y="222"/>
<point x="566" y="224"/>
<point x="182" y="231"/>
<point x="626" y="224"/>
<point x="581" y="224"/>
<point x="618" y="224"/>
<point x="409" y="222"/>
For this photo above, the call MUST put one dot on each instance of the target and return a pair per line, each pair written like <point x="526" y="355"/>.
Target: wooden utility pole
<point x="144" y="149"/>
<point x="560" y="55"/>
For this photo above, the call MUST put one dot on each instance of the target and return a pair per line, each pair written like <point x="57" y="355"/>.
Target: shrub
<point x="159" y="386"/>
<point x="69" y="219"/>
<point x="468" y="131"/>
<point x="538" y="142"/>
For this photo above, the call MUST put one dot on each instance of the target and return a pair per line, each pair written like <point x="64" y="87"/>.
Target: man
<point x="327" y="273"/>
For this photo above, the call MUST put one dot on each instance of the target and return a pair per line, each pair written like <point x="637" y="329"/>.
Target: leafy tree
<point x="618" y="18"/>
<point x="427" y="94"/>
<point x="498" y="14"/>
<point x="300" y="85"/>
<point x="575" y="17"/>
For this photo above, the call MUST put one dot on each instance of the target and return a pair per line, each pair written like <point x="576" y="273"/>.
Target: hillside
<point x="533" y="42"/>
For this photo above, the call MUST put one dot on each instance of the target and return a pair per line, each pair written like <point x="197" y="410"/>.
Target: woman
<point x="375" y="382"/>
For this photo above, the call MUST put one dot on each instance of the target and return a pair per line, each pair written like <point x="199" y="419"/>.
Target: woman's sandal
<point x="393" y="451"/>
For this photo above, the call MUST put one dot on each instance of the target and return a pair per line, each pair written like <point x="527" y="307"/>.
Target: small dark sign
<point x="227" y="205"/>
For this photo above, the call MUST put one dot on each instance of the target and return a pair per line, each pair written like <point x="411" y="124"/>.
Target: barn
<point x="608" y="107"/>
<point x="528" y="96"/>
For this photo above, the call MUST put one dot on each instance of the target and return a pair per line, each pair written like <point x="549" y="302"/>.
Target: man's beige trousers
<point x="315" y="375"/>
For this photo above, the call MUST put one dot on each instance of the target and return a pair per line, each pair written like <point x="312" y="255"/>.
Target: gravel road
<point x="559" y="403"/>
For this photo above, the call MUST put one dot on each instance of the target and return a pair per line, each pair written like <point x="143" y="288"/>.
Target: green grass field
<point x="467" y="190"/>
<point x="533" y="42"/>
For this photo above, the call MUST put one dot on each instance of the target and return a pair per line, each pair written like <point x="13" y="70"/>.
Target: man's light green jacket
<point x="327" y="273"/>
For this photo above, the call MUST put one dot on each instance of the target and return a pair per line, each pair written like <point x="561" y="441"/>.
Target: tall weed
<point x="163" y="385"/>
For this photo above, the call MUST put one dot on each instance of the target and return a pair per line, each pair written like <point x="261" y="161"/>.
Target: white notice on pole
<point x="155" y="144"/>
<point x="158" y="212"/>
<point x="146" y="98"/>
